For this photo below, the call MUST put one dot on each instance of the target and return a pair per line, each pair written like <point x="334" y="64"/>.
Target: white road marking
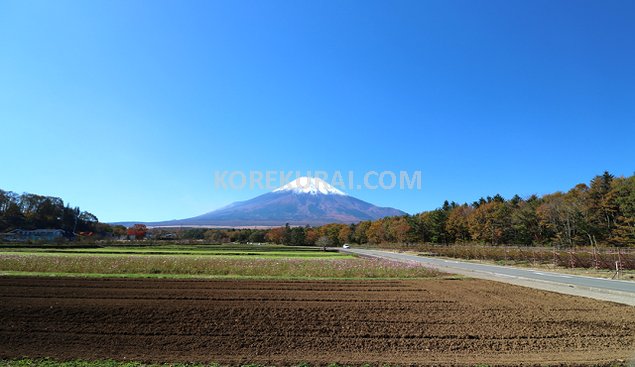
<point x="551" y="275"/>
<point x="504" y="275"/>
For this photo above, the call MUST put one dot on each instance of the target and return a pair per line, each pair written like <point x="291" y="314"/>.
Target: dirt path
<point x="274" y="322"/>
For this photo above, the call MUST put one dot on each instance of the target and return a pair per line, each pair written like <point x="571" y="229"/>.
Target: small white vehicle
<point x="346" y="246"/>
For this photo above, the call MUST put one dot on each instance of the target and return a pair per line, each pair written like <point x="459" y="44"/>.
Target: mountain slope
<point x="303" y="201"/>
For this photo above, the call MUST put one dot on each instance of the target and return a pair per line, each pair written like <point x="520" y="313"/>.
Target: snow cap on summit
<point x="309" y="185"/>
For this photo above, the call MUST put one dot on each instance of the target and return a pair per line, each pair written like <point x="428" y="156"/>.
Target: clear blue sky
<point x="126" y="108"/>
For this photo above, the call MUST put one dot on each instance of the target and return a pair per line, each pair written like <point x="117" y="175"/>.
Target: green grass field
<point x="216" y="250"/>
<point x="201" y="261"/>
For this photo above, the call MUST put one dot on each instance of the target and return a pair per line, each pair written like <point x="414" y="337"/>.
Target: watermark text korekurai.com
<point x="349" y="180"/>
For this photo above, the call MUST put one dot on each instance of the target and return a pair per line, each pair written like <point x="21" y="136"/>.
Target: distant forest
<point x="601" y="213"/>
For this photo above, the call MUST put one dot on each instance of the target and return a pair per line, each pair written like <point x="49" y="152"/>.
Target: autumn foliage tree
<point x="275" y="235"/>
<point x="457" y="223"/>
<point x="138" y="231"/>
<point x="598" y="214"/>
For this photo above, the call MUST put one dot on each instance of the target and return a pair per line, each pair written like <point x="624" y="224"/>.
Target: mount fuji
<point x="304" y="201"/>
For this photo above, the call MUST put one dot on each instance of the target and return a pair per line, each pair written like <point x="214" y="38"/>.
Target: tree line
<point x="31" y="211"/>
<point x="327" y="235"/>
<point x="601" y="213"/>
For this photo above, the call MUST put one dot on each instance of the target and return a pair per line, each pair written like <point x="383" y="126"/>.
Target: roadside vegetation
<point x="583" y="257"/>
<point x="611" y="259"/>
<point x="602" y="263"/>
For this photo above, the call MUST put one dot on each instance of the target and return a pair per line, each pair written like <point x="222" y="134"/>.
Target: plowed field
<point x="286" y="322"/>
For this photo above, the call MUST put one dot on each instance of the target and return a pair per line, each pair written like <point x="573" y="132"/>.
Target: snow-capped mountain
<point x="306" y="200"/>
<point x="309" y="185"/>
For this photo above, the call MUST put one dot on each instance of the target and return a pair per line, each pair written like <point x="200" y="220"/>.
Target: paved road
<point x="604" y="289"/>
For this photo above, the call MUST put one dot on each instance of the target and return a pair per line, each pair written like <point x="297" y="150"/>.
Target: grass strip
<point x="210" y="266"/>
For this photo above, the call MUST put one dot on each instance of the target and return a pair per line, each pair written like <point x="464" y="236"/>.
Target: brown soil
<point x="423" y="322"/>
